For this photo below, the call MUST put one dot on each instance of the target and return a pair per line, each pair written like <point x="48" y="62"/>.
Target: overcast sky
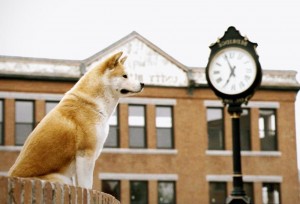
<point x="77" y="29"/>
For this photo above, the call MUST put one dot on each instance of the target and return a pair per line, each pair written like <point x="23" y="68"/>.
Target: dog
<point x="67" y="142"/>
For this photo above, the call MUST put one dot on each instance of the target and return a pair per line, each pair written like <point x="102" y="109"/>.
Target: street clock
<point x="233" y="70"/>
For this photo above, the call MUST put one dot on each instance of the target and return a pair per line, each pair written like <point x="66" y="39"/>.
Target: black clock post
<point x="233" y="72"/>
<point x="238" y="195"/>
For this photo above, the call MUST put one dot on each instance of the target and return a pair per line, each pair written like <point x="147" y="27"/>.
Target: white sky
<point x="77" y="29"/>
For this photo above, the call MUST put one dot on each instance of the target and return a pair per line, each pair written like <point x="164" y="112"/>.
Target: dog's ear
<point x="122" y="61"/>
<point x="113" y="61"/>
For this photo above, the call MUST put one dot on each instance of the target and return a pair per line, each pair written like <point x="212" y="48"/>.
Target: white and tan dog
<point x="70" y="138"/>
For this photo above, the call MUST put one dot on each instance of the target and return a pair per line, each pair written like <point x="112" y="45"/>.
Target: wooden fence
<point x="25" y="191"/>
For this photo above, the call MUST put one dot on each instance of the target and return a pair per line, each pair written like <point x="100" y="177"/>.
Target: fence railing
<point x="25" y="191"/>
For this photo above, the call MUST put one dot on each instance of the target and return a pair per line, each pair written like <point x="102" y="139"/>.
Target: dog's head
<point x="116" y="77"/>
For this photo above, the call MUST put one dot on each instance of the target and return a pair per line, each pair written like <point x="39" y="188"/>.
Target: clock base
<point x="238" y="200"/>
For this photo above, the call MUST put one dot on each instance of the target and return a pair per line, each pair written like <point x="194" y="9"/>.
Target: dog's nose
<point x="142" y="85"/>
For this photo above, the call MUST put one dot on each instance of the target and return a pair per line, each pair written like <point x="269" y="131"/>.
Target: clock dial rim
<point x="219" y="54"/>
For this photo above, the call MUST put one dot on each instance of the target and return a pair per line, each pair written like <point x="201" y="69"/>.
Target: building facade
<point x="171" y="143"/>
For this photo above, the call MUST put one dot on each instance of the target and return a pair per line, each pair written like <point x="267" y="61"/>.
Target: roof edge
<point x="5" y="58"/>
<point x="128" y="38"/>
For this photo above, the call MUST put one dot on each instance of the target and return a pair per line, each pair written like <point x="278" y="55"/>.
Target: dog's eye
<point x="125" y="76"/>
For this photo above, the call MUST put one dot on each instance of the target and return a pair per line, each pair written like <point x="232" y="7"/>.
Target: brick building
<point x="172" y="143"/>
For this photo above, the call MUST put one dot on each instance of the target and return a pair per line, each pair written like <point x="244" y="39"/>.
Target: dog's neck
<point x="107" y="105"/>
<point x="104" y="104"/>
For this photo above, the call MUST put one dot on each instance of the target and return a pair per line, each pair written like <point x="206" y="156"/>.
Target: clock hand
<point x="232" y="71"/>
<point x="231" y="68"/>
<point x="232" y="74"/>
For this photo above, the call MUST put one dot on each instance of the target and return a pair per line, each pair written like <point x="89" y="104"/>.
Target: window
<point x="267" y="130"/>
<point x="50" y="105"/>
<point x="271" y="193"/>
<point x="248" y="188"/>
<point x="164" y="127"/>
<point x="245" y="132"/>
<point x="1" y="123"/>
<point x="215" y="128"/>
<point x="24" y="116"/>
<point x="217" y="192"/>
<point x="136" y="120"/>
<point x="112" y="187"/>
<point x="166" y="192"/>
<point x="113" y="135"/>
<point x="138" y="192"/>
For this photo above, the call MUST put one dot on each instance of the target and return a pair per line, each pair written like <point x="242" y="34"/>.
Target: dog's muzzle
<point x="126" y="91"/>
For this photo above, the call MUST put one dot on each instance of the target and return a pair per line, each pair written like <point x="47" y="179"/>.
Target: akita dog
<point x="66" y="143"/>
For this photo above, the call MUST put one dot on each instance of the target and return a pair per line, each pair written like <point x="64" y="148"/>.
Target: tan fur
<point x="70" y="138"/>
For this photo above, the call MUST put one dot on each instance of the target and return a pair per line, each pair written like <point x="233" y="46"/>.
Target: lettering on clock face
<point x="232" y="70"/>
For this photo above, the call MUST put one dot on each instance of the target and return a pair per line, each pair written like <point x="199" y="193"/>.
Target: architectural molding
<point x="154" y="101"/>
<point x="251" y="104"/>
<point x="139" y="151"/>
<point x="30" y="96"/>
<point x="138" y="177"/>
<point x="11" y="148"/>
<point x="3" y="173"/>
<point x="246" y="178"/>
<point x="109" y="150"/>
<point x="244" y="153"/>
<point x="58" y="97"/>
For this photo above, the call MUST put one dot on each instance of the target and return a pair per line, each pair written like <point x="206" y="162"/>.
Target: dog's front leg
<point x="84" y="170"/>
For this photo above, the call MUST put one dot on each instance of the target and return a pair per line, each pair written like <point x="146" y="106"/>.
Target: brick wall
<point x="19" y="190"/>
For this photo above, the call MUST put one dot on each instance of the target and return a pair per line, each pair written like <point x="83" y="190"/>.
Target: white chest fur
<point x="102" y="130"/>
<point x="107" y="106"/>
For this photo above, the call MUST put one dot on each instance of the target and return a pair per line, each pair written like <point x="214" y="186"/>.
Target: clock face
<point x="232" y="71"/>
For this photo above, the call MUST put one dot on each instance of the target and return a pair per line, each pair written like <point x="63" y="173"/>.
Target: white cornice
<point x="146" y="61"/>
<point x="271" y="78"/>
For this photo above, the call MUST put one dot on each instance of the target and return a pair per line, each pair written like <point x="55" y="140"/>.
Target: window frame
<point x="210" y="188"/>
<point x="47" y="102"/>
<point x="117" y="111"/>
<point x="223" y="128"/>
<point x="2" y="122"/>
<point x="251" y="184"/>
<point x="145" y="145"/>
<point x="118" y="186"/>
<point x="250" y="130"/>
<point x="147" y="189"/>
<point x="172" y="137"/>
<point x="276" y="145"/>
<point x="271" y="183"/>
<point x="174" y="189"/>
<point x="24" y="123"/>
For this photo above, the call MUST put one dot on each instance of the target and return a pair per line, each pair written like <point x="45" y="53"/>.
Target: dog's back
<point x="69" y="139"/>
<point x="51" y="147"/>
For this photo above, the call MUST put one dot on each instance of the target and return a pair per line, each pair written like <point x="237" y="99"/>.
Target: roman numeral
<point x="240" y="56"/>
<point x="241" y="84"/>
<point x="248" y="70"/>
<point x="217" y="63"/>
<point x="233" y="87"/>
<point x="247" y="77"/>
<point x="219" y="80"/>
